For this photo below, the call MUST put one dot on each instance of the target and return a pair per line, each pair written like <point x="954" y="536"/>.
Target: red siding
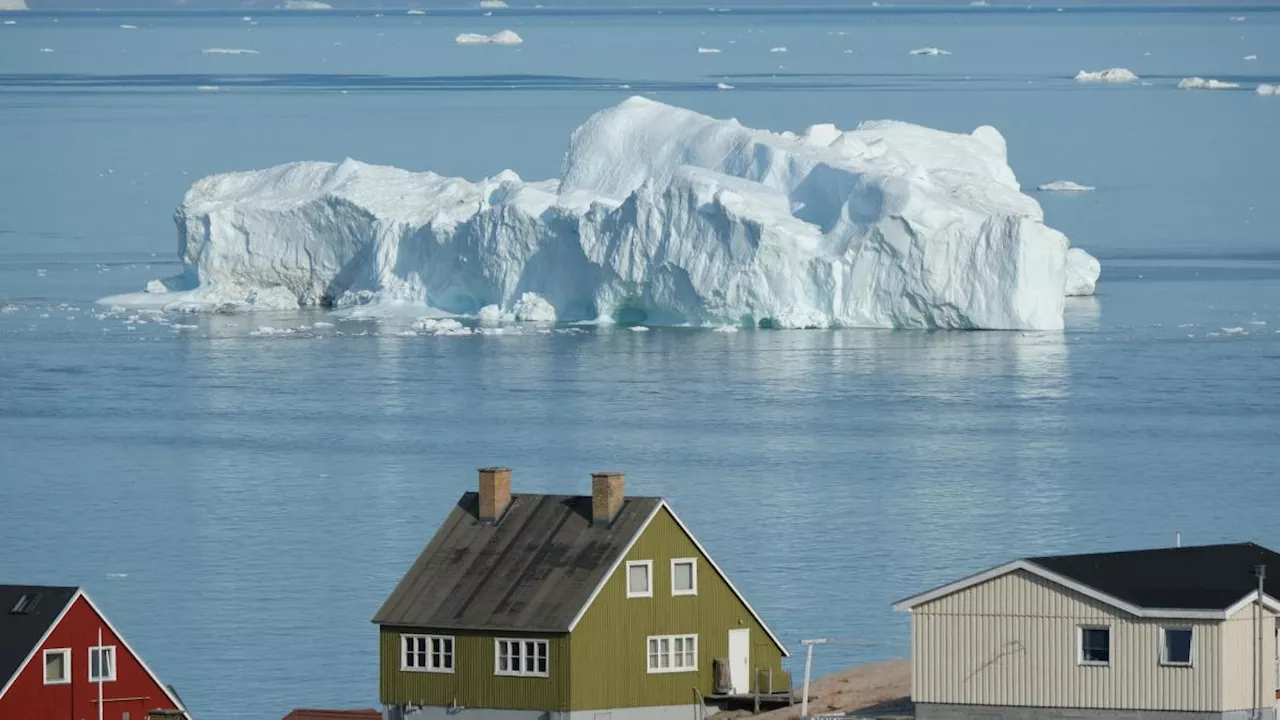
<point x="133" y="691"/>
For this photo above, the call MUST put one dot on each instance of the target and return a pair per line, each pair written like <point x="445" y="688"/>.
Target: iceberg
<point x="929" y="51"/>
<point x="493" y="4"/>
<point x="502" y="37"/>
<point x="228" y="51"/>
<point x="1265" y="89"/>
<point x="1111" y="75"/>
<point x="707" y="50"/>
<point x="661" y="216"/>
<point x="13" y="5"/>
<point x="1199" y="83"/>
<point x="1065" y="186"/>
<point x="305" y="5"/>
<point x="1083" y="270"/>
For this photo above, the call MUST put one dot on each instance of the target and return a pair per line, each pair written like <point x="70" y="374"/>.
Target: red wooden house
<point x="54" y="667"/>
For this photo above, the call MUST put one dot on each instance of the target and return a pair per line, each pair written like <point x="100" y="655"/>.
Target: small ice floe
<point x="1232" y="330"/>
<point x="1250" y="57"/>
<point x="979" y="4"/>
<point x="725" y="329"/>
<point x="1111" y="75"/>
<point x="208" y="88"/>
<point x="1065" y="186"/>
<point x="441" y="326"/>
<point x="128" y="27"/>
<point x="1256" y="322"/>
<point x="46" y="50"/>
<point x="931" y="51"/>
<point x="10" y="22"/>
<point x="1236" y="18"/>
<point x="780" y="48"/>
<point x="706" y="50"/>
<point x="321" y="324"/>
<point x="723" y="86"/>
<point x="638" y="328"/>
<point x="1265" y="89"/>
<point x="267" y="330"/>
<point x="117" y="576"/>
<point x="493" y="4"/>
<point x="502" y="37"/>
<point x="181" y="326"/>
<point x="247" y="18"/>
<point x="1199" y="83"/>
<point x="228" y="51"/>
<point x="417" y="12"/>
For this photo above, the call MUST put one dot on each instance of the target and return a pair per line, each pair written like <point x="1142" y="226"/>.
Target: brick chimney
<point x="495" y="493"/>
<point x="606" y="497"/>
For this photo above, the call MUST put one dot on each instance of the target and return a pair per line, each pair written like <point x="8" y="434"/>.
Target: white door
<point x="740" y="660"/>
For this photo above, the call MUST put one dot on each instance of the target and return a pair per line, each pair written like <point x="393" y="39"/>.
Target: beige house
<point x="1171" y="634"/>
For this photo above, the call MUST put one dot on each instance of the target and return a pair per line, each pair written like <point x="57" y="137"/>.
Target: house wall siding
<point x="473" y="682"/>
<point x="1239" y="637"/>
<point x="1013" y="640"/>
<point x="609" y="643"/>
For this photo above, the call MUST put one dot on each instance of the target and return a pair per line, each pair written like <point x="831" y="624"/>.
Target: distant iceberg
<point x="1065" y="186"/>
<point x="707" y="50"/>
<point x="1265" y="89"/>
<point x="492" y="4"/>
<point x="13" y="5"/>
<point x="305" y="5"/>
<point x="780" y="48"/>
<point x="502" y="37"/>
<point x="228" y="51"/>
<point x="1110" y="75"/>
<point x="1199" y="83"/>
<point x="930" y="51"/>
<point x="661" y="216"/>
<point x="723" y="86"/>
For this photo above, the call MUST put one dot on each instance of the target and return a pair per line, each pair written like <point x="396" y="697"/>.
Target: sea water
<point x="240" y="493"/>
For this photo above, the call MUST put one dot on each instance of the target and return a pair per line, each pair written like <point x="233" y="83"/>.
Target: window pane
<point x="683" y="577"/>
<point x="55" y="666"/>
<point x="638" y="579"/>
<point x="109" y="662"/>
<point x="664" y="656"/>
<point x="1177" y="645"/>
<point x="1096" y="645"/>
<point x="94" y="656"/>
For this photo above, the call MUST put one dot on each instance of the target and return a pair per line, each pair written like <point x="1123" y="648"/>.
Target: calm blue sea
<point x="240" y="502"/>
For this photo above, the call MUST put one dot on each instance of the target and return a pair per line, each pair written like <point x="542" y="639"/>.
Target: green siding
<point x="609" y="645"/>
<point x="473" y="683"/>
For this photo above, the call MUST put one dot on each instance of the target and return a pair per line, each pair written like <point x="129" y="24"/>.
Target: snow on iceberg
<point x="1111" y="75"/>
<point x="1199" y="83"/>
<point x="502" y="37"/>
<point x="1065" y="186"/>
<point x="1083" y="270"/>
<point x="661" y="216"/>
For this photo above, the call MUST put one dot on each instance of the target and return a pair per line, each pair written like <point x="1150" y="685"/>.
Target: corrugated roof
<point x="1203" y="577"/>
<point x="531" y="571"/>
<point x="315" y="714"/>
<point x="20" y="631"/>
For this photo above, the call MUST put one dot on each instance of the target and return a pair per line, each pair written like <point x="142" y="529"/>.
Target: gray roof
<point x="20" y="631"/>
<point x="533" y="570"/>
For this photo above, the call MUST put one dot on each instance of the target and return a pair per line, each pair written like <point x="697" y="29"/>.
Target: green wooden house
<point x="562" y="606"/>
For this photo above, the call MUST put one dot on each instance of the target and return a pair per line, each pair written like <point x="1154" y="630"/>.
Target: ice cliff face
<point x="661" y="215"/>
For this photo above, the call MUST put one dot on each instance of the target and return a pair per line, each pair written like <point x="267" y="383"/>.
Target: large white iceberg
<point x="1083" y="270"/>
<point x="1199" y="83"/>
<point x="661" y="216"/>
<point x="1110" y="75"/>
<point x="502" y="37"/>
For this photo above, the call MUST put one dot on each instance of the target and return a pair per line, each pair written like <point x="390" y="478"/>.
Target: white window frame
<point x="648" y="568"/>
<point x="671" y="655"/>
<point x="66" y="665"/>
<point x="523" y="671"/>
<point x="1164" y="646"/>
<point x="111" y="651"/>
<point x="693" y="575"/>
<point x="406" y="638"/>
<point x="1080" y="646"/>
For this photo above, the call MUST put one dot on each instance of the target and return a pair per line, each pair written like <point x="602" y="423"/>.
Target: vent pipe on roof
<point x="606" y="497"/>
<point x="495" y="493"/>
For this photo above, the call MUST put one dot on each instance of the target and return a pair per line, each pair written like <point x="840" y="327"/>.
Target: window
<point x="57" y="667"/>
<point x="673" y="653"/>
<point x="427" y="653"/>
<point x="1176" y="646"/>
<point x="102" y="663"/>
<point x="520" y="657"/>
<point x="640" y="578"/>
<point x="684" y="576"/>
<point x="1095" y="645"/>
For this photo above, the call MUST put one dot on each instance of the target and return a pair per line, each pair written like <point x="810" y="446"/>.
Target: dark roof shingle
<point x="1204" y="577"/>
<point x="531" y="571"/>
<point x="19" y="632"/>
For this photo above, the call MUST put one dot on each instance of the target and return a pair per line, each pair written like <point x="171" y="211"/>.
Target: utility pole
<point x="1258" y="681"/>
<point x="808" y="664"/>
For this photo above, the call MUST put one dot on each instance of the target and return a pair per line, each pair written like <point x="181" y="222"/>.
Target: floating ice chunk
<point x="638" y="328"/>
<point x="417" y="12"/>
<point x="247" y="18"/>
<point x="305" y="5"/>
<point x="493" y="4"/>
<point x="46" y="50"/>
<point x="502" y="37"/>
<point x="1111" y="75"/>
<point x="156" y="285"/>
<point x="267" y="330"/>
<point x="724" y="86"/>
<point x="930" y="51"/>
<point x="1232" y="330"/>
<point x="117" y="576"/>
<point x="1083" y="270"/>
<point x="979" y="4"/>
<point x="1199" y="83"/>
<point x="10" y="22"/>
<point x="128" y="27"/>
<point x="1065" y="186"/>
<point x="208" y="88"/>
<point x="1250" y="57"/>
<point x="228" y="51"/>
<point x="533" y="308"/>
<point x="321" y="324"/>
<point x="1257" y="322"/>
<point x="1265" y="89"/>
<point x="780" y="48"/>
<point x="707" y="50"/>
<point x="1236" y="18"/>
<point x="725" y="328"/>
<point x="661" y="216"/>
